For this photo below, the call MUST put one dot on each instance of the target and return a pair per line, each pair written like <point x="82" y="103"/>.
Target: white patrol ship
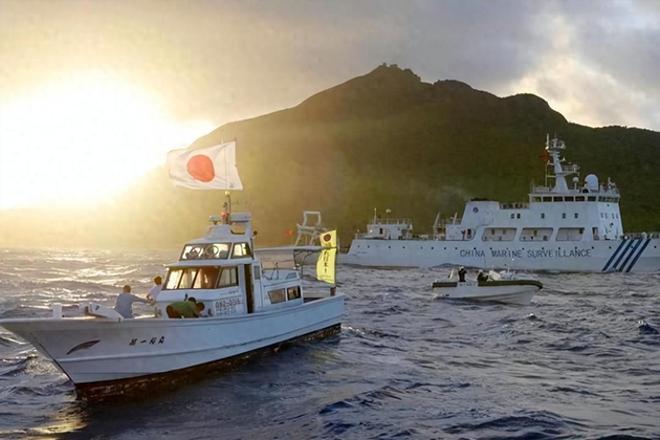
<point x="572" y="228"/>
<point x="248" y="309"/>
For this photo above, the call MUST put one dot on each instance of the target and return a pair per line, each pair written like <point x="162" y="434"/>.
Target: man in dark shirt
<point x="461" y="274"/>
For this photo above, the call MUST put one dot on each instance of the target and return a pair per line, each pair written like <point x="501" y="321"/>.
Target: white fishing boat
<point x="568" y="227"/>
<point x="248" y="309"/>
<point x="494" y="288"/>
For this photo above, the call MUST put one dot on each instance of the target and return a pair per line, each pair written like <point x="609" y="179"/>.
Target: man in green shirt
<point x="185" y="309"/>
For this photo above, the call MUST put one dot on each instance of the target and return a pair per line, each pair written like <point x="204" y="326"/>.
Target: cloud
<point x="603" y="66"/>
<point x="594" y="61"/>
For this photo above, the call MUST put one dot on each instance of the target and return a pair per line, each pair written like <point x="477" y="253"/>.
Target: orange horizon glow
<point x="84" y="138"/>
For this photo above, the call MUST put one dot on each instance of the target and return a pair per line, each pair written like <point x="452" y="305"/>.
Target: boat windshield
<point x="209" y="277"/>
<point x="210" y="251"/>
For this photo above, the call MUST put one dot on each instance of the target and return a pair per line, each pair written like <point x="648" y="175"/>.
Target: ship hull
<point x="623" y="255"/>
<point x="99" y="355"/>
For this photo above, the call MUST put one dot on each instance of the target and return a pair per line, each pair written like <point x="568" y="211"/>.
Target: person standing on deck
<point x="461" y="274"/>
<point x="125" y="300"/>
<point x="155" y="290"/>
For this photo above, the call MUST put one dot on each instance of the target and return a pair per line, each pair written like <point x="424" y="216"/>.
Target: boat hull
<point x="114" y="389"/>
<point x="95" y="353"/>
<point x="623" y="255"/>
<point x="508" y="291"/>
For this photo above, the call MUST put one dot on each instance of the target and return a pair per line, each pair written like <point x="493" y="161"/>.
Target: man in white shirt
<point x="155" y="290"/>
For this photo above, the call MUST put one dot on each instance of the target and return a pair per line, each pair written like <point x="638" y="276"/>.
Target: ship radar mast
<point x="555" y="167"/>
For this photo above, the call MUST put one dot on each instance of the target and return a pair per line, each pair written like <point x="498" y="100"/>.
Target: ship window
<point x="563" y="215"/>
<point x="187" y="278"/>
<point x="205" y="251"/>
<point x="536" y="199"/>
<point x="173" y="278"/>
<point x="228" y="277"/>
<point x="543" y="215"/>
<point x="575" y="215"/>
<point x="569" y="234"/>
<point x="591" y="198"/>
<point x="579" y="198"/>
<point x="257" y="272"/>
<point x="513" y="215"/>
<point x="241" y="250"/>
<point x="547" y="199"/>
<point x="558" y="199"/>
<point x="206" y="278"/>
<point x="293" y="292"/>
<point x="518" y="215"/>
<point x="277" y="296"/>
<point x="569" y="199"/>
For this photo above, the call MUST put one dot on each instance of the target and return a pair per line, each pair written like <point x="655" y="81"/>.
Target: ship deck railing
<point x="392" y="221"/>
<point x="641" y="235"/>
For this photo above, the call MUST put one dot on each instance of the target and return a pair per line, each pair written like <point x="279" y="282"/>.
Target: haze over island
<point x="94" y="94"/>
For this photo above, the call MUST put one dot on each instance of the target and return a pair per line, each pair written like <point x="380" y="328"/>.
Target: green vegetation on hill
<point x="388" y="140"/>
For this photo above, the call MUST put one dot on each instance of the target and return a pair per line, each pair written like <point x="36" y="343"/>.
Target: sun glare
<point x="83" y="139"/>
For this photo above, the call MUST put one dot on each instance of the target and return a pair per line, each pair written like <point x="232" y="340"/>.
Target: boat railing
<point x="641" y="235"/>
<point x="392" y="221"/>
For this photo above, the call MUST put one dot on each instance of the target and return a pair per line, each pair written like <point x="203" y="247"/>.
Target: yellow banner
<point x="325" y="266"/>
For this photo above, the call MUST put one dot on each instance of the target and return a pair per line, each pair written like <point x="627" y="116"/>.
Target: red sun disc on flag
<point x="327" y="237"/>
<point x="200" y="167"/>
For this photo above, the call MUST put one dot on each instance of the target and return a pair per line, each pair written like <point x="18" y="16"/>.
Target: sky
<point x="93" y="93"/>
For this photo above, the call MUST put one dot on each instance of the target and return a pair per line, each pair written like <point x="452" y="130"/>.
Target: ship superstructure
<point x="566" y="225"/>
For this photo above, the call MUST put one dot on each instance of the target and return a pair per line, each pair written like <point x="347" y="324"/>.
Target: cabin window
<point x="547" y="199"/>
<point x="518" y="215"/>
<point x="496" y="234"/>
<point x="569" y="234"/>
<point x="173" y="278"/>
<point x="257" y="272"/>
<point x="206" y="277"/>
<point x="532" y="234"/>
<point x="569" y="199"/>
<point x="579" y="198"/>
<point x="591" y="198"/>
<point x="563" y="215"/>
<point x="241" y="250"/>
<point x="277" y="296"/>
<point x="513" y="215"/>
<point x="558" y="199"/>
<point x="543" y="215"/>
<point x="187" y="278"/>
<point x="575" y="215"/>
<point x="293" y="293"/>
<point x="228" y="277"/>
<point x="205" y="251"/>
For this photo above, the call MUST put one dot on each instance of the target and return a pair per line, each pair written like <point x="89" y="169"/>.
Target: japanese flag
<point x="205" y="168"/>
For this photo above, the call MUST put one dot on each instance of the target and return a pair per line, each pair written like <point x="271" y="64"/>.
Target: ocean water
<point x="576" y="363"/>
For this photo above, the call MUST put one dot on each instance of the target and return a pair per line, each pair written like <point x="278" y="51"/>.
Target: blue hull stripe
<point x="620" y="257"/>
<point x="637" y="242"/>
<point x="614" y="255"/>
<point x="634" y="261"/>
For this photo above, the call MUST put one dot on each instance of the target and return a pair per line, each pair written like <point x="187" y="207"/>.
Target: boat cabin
<point x="221" y="271"/>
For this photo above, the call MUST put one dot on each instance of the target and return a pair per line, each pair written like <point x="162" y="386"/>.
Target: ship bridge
<point x="582" y="211"/>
